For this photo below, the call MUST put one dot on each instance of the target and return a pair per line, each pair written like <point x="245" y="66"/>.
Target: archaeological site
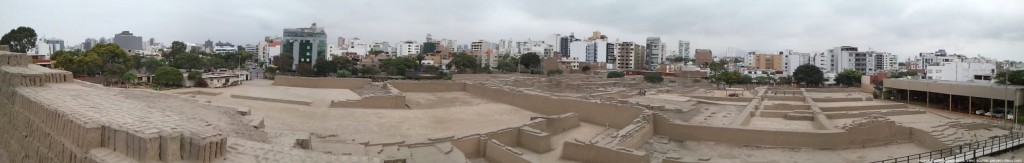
<point x="48" y="116"/>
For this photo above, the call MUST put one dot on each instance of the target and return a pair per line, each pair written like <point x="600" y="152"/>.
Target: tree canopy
<point x="168" y="76"/>
<point x="530" y="60"/>
<point x="848" y="77"/>
<point x="728" y="77"/>
<point x="810" y="75"/>
<point x="177" y="48"/>
<point x="112" y="54"/>
<point x="462" y="62"/>
<point x="189" y="61"/>
<point x="77" y="62"/>
<point x="654" y="77"/>
<point x="20" y="39"/>
<point x="1010" y="77"/>
<point x="616" y="74"/>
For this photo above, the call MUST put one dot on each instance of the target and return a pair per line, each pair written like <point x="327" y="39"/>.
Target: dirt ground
<point x="434" y="114"/>
<point x="728" y="153"/>
<point x="779" y="123"/>
<point x="711" y="114"/>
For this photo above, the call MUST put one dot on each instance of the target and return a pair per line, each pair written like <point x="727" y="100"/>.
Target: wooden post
<point x="950" y="102"/>
<point x="927" y="99"/>
<point x="908" y="96"/>
<point x="970" y="105"/>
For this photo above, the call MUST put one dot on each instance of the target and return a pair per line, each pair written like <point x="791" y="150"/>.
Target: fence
<point x="966" y="152"/>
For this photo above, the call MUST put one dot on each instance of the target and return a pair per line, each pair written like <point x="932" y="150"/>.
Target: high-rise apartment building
<point x="128" y="41"/>
<point x="655" y="53"/>
<point x="306" y="45"/>
<point x="684" y="49"/>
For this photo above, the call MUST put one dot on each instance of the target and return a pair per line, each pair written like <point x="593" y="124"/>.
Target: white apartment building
<point x="886" y="61"/>
<point x="225" y="49"/>
<point x="577" y="51"/>
<point x="961" y="70"/>
<point x="684" y="48"/>
<point x="407" y="48"/>
<point x="597" y="51"/>
<point x="792" y="60"/>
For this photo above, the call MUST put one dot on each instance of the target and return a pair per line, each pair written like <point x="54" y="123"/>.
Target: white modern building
<point x="407" y="48"/>
<point x="684" y="48"/>
<point x="655" y="53"/>
<point x="792" y="60"/>
<point x="960" y="70"/>
<point x="225" y="49"/>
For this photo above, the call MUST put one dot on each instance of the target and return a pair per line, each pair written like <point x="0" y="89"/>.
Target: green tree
<point x="1010" y="77"/>
<point x="112" y="54"/>
<point x="809" y="75"/>
<point x="369" y="71"/>
<point x="189" y="61"/>
<point x="177" y="48"/>
<point x="729" y="78"/>
<point x="194" y="75"/>
<point x="114" y="72"/>
<point x="343" y="74"/>
<point x="462" y="61"/>
<point x="283" y="62"/>
<point x="508" y="64"/>
<point x="585" y="68"/>
<point x="20" y="39"/>
<point x="763" y="79"/>
<point x="678" y="59"/>
<point x="168" y="76"/>
<point x="654" y="77"/>
<point x="848" y="77"/>
<point x="785" y="80"/>
<point x="151" y="64"/>
<point x="554" y="72"/>
<point x="324" y="67"/>
<point x="616" y="74"/>
<point x="304" y="69"/>
<point x="530" y="60"/>
<point x="398" y="65"/>
<point x="129" y="78"/>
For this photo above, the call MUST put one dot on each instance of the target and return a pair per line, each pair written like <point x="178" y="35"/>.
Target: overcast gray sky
<point x="993" y="28"/>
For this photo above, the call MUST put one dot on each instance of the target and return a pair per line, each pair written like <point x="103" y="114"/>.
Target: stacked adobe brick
<point x="46" y="118"/>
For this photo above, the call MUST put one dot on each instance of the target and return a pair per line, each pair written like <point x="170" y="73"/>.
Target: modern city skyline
<point x="905" y="28"/>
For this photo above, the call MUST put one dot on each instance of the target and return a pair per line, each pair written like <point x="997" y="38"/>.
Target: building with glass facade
<point x="305" y="45"/>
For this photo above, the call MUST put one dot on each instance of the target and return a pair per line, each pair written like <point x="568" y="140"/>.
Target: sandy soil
<point x="719" y="152"/>
<point x="441" y="116"/>
<point x="763" y="122"/>
<point x="670" y="101"/>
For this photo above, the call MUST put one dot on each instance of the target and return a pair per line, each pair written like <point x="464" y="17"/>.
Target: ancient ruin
<point x="47" y="116"/>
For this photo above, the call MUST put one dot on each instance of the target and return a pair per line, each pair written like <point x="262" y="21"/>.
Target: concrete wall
<point x="497" y="152"/>
<point x="306" y="82"/>
<point x="874" y="135"/>
<point x="373" y="102"/>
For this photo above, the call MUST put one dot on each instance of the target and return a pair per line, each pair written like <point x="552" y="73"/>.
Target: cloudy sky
<point x="992" y="28"/>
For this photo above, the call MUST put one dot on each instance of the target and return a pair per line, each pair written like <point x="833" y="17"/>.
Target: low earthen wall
<point x="925" y="139"/>
<point x="268" y="99"/>
<point x="576" y="150"/>
<point x="774" y="113"/>
<point x="863" y="107"/>
<point x="783" y="98"/>
<point x="497" y="152"/>
<point x="874" y="135"/>
<point x="200" y="92"/>
<point x="535" y="140"/>
<point x="373" y="102"/>
<point x="831" y="90"/>
<point x="602" y="114"/>
<point x="787" y="107"/>
<point x="861" y="114"/>
<point x="840" y="99"/>
<point x="307" y="82"/>
<point x="428" y="86"/>
<point x="727" y="99"/>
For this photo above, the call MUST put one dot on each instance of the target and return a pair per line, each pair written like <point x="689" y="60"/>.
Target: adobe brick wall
<point x="307" y="82"/>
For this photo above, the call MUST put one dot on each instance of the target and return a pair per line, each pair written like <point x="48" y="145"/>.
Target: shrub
<point x="167" y="76"/>
<point x="554" y="72"/>
<point x="616" y="74"/>
<point x="343" y="73"/>
<point x="654" y="78"/>
<point x="195" y="75"/>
